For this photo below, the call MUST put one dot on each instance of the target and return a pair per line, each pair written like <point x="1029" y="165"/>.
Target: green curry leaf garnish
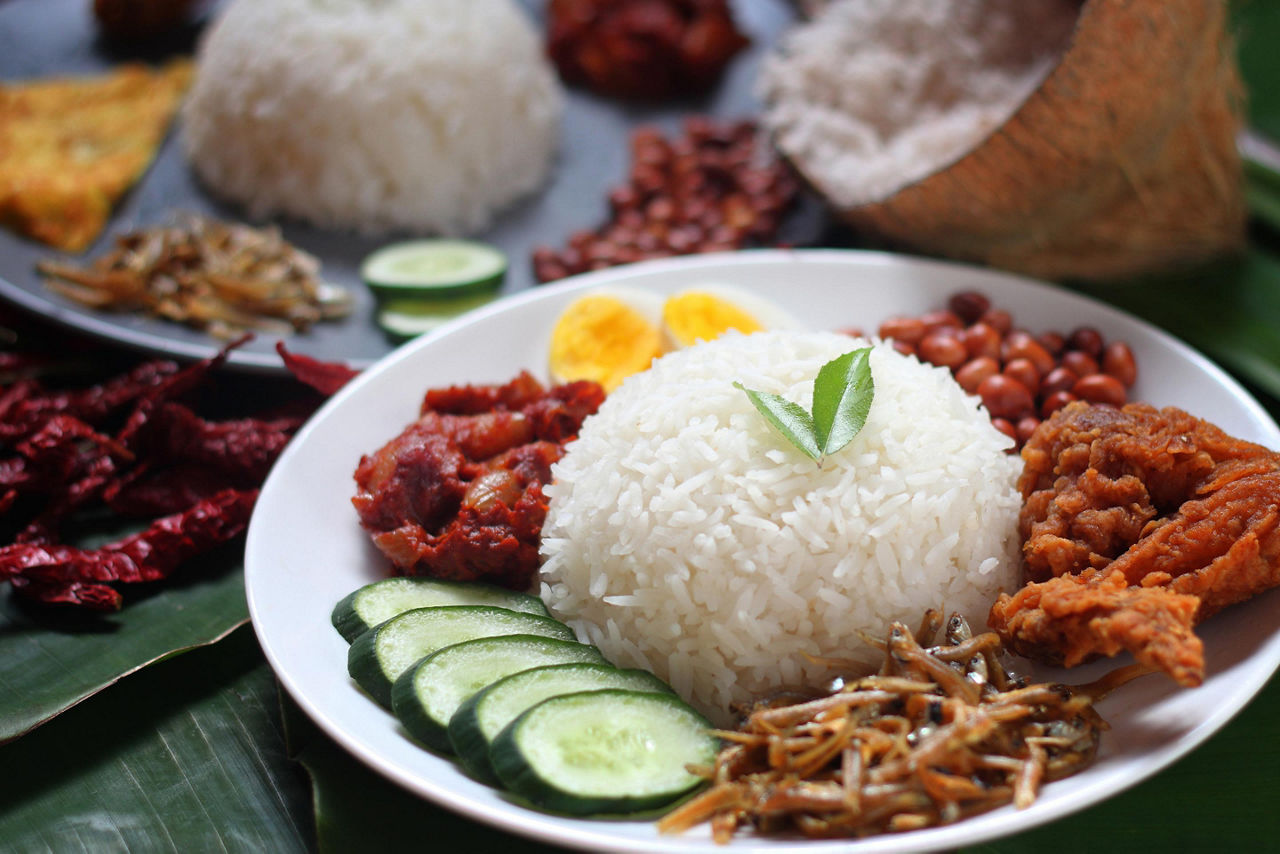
<point x="842" y="395"/>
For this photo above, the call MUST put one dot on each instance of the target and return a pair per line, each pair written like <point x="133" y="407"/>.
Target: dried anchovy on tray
<point x="718" y="187"/>
<point x="225" y="278"/>
<point x="940" y="733"/>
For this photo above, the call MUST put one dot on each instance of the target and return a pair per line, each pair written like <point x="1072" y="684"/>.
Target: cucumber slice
<point x="401" y="326"/>
<point x="375" y="603"/>
<point x="478" y="721"/>
<point x="403" y="319"/>
<point x="426" y="695"/>
<point x="434" y="268"/>
<point x="378" y="657"/>
<point x="610" y="751"/>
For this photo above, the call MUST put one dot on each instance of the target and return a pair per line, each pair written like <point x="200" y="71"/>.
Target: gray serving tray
<point x="48" y="37"/>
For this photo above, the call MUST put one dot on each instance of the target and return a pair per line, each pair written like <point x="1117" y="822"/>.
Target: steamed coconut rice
<point x="686" y="536"/>
<point x="872" y="95"/>
<point x="426" y="115"/>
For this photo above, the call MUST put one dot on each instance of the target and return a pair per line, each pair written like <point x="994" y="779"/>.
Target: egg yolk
<point x="697" y="316"/>
<point x="602" y="338"/>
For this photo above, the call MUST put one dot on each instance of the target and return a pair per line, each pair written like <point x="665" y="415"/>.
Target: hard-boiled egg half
<point x="611" y="333"/>
<point x="606" y="336"/>
<point x="708" y="311"/>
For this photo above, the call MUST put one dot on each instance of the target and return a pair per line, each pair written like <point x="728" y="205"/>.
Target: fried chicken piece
<point x="1137" y="524"/>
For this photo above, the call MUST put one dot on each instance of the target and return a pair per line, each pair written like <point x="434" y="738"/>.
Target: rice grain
<point x="426" y="115"/>
<point x="725" y="576"/>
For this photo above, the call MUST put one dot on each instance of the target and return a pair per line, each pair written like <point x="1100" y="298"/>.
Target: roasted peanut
<point x="981" y="339"/>
<point x="908" y="329"/>
<point x="1087" y="340"/>
<point x="1021" y="378"/>
<point x="1100" y="388"/>
<point x="1025" y="372"/>
<point x="1080" y="363"/>
<point x="971" y="374"/>
<point x="969" y="306"/>
<point x="1118" y="362"/>
<point x="942" y="347"/>
<point x="1060" y="378"/>
<point x="1005" y="397"/>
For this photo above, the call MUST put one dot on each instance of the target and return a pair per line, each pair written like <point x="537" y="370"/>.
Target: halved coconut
<point x="1119" y="158"/>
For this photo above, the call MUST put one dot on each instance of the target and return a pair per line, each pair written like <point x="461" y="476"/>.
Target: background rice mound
<point x="426" y="115"/>
<point x="686" y="536"/>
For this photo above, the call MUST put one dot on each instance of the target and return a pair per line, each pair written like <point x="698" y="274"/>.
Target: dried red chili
<point x="25" y="406"/>
<point x="244" y="448"/>
<point x="68" y="575"/>
<point x="147" y="491"/>
<point x="131" y="446"/>
<point x="324" y="377"/>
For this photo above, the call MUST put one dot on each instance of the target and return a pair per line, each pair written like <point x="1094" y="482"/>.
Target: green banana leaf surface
<point x="196" y="751"/>
<point x="49" y="663"/>
<point x="187" y="755"/>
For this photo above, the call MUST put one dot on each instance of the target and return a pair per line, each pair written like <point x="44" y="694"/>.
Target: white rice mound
<point x="873" y="95"/>
<point x="686" y="536"/>
<point x="424" y="115"/>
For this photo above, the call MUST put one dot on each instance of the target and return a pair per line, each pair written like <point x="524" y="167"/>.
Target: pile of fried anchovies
<point x="225" y="278"/>
<point x="940" y="733"/>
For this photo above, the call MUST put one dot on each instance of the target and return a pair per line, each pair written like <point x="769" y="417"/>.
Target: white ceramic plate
<point x="306" y="551"/>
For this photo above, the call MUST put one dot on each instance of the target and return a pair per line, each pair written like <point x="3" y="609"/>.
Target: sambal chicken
<point x="1137" y="524"/>
<point x="458" y="494"/>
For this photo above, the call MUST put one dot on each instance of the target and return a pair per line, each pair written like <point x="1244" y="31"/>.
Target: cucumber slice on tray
<point x="433" y="269"/>
<point x="380" y="601"/>
<point x="478" y="721"/>
<point x="611" y="751"/>
<point x="421" y="284"/>
<point x="425" y="697"/>
<point x="403" y="319"/>
<point x="378" y="657"/>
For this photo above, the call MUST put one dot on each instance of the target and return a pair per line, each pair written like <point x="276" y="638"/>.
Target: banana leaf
<point x="357" y="810"/>
<point x="185" y="756"/>
<point x="50" y="659"/>
<point x="1230" y="311"/>
<point x="1257" y="26"/>
<point x="190" y="754"/>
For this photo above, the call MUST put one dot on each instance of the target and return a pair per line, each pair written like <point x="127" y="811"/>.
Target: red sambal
<point x="458" y="494"/>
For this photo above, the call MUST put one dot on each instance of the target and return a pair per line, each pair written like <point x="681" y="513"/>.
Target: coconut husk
<point x="1122" y="162"/>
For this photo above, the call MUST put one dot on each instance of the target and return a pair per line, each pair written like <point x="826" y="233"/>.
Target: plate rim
<point x="541" y="825"/>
